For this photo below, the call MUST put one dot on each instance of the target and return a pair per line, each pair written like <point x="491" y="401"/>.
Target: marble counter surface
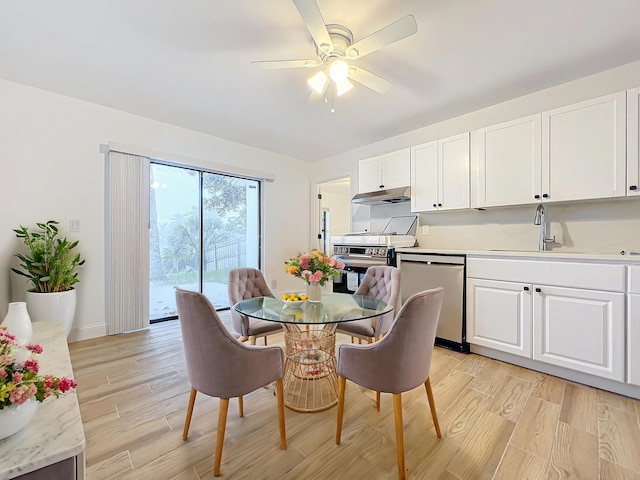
<point x="55" y="433"/>
<point x="551" y="254"/>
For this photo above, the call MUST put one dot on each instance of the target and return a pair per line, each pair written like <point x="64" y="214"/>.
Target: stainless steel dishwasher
<point x="424" y="271"/>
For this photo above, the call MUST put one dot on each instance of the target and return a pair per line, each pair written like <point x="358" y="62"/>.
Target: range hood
<point x="383" y="197"/>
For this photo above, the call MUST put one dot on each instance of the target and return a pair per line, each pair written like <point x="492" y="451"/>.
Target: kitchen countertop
<point x="55" y="433"/>
<point x="546" y="255"/>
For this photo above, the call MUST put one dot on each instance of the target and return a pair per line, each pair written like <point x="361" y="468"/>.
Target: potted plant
<point x="50" y="265"/>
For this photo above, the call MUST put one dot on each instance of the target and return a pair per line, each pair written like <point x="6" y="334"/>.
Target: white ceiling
<point x="187" y="62"/>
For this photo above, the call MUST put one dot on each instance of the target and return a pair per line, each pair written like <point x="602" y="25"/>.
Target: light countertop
<point x="55" y="433"/>
<point x="546" y="255"/>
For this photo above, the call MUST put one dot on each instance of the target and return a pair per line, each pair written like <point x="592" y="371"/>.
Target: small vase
<point x="314" y="293"/>
<point x="15" y="417"/>
<point x="18" y="322"/>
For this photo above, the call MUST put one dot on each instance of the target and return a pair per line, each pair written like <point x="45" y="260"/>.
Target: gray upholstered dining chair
<point x="220" y="366"/>
<point x="249" y="283"/>
<point x="382" y="282"/>
<point x="402" y="359"/>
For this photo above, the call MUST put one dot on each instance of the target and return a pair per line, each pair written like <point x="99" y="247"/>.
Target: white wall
<point x="604" y="226"/>
<point x="52" y="168"/>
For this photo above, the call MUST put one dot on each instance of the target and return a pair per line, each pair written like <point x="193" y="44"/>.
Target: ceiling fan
<point x="335" y="51"/>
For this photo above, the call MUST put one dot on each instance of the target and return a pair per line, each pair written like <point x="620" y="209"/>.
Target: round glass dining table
<point x="310" y="372"/>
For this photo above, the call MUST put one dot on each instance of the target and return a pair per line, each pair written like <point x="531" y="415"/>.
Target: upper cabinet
<point x="440" y="174"/>
<point x="584" y="150"/>
<point x="633" y="143"/>
<point x="507" y="161"/>
<point x="570" y="153"/>
<point x="385" y="171"/>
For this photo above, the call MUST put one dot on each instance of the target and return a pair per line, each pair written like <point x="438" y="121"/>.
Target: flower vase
<point x="18" y="322"/>
<point x="15" y="417"/>
<point x="314" y="292"/>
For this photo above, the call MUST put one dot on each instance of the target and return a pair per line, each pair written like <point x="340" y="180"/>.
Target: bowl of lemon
<point x="293" y="299"/>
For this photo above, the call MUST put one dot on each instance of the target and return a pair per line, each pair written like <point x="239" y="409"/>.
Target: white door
<point x="633" y="141"/>
<point x="579" y="329"/>
<point x="369" y="175"/>
<point x="499" y="315"/>
<point x="453" y="167"/>
<point x="424" y="177"/>
<point x="507" y="159"/>
<point x="396" y="169"/>
<point x="584" y="150"/>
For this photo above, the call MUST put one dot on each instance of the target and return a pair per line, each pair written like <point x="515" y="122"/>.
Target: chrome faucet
<point x="543" y="241"/>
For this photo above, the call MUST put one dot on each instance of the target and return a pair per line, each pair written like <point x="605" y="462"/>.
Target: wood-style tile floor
<point x="498" y="421"/>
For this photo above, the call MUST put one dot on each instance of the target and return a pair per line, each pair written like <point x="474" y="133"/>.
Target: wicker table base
<point x="310" y="377"/>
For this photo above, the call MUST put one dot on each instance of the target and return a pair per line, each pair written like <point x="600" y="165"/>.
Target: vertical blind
<point x="127" y="242"/>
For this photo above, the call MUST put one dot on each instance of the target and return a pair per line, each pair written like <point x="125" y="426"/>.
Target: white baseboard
<point x="85" y="333"/>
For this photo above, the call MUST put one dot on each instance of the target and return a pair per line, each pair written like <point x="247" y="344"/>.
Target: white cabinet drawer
<point x="595" y="276"/>
<point x="634" y="279"/>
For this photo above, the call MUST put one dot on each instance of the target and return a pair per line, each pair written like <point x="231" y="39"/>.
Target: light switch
<point x="74" y="225"/>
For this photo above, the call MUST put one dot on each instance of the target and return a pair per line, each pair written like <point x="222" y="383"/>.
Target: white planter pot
<point x="59" y="306"/>
<point x="16" y="417"/>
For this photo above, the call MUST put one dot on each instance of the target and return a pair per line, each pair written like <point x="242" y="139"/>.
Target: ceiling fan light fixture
<point x="318" y="82"/>
<point x="338" y="70"/>
<point x="343" y="86"/>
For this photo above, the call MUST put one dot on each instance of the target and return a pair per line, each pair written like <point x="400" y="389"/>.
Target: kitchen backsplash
<point x="594" y="227"/>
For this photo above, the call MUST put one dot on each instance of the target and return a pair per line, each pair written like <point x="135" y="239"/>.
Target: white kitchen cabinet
<point x="440" y="174"/>
<point x="568" y="314"/>
<point x="584" y="150"/>
<point x="508" y="163"/>
<point x="633" y="141"/>
<point x="499" y="315"/>
<point x="580" y="329"/>
<point x="576" y="152"/>
<point x="633" y="326"/>
<point x="383" y="172"/>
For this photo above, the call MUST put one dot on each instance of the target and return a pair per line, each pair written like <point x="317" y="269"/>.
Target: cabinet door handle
<point x="439" y="204"/>
<point x="538" y="290"/>
<point x="633" y="187"/>
<point x="546" y="195"/>
<point x="536" y="196"/>
<point x="381" y="186"/>
<point x="526" y="289"/>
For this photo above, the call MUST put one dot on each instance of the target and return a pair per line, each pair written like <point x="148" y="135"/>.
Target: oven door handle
<point x="357" y="262"/>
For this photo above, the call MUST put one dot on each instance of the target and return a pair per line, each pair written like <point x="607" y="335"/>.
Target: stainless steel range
<point x="361" y="250"/>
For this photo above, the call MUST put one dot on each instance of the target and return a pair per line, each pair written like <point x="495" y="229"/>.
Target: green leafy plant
<point x="50" y="263"/>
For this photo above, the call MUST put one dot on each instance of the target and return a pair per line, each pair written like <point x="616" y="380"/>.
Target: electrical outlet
<point x="425" y="230"/>
<point x="273" y="284"/>
<point x="74" y="225"/>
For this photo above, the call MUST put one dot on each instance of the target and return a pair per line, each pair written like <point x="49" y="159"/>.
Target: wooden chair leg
<point x="378" y="401"/>
<point x="280" y="395"/>
<point x="342" y="383"/>
<point x="253" y="339"/>
<point x="265" y="340"/>
<point x="397" y="414"/>
<point x="243" y="339"/>
<point x="187" y="421"/>
<point x="222" y="425"/>
<point x="432" y="406"/>
<point x="240" y="406"/>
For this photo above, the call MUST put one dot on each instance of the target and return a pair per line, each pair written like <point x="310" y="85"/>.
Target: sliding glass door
<point x="202" y="225"/>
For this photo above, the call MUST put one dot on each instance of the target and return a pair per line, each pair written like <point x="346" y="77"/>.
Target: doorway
<point x="334" y="211"/>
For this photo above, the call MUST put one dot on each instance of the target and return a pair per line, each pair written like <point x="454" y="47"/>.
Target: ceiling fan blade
<point x="273" y="64"/>
<point x="392" y="33"/>
<point x="369" y="80"/>
<point x="310" y="13"/>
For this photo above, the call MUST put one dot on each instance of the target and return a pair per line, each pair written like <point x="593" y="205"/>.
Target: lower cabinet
<point x="580" y="329"/>
<point x="499" y="315"/>
<point x="633" y="326"/>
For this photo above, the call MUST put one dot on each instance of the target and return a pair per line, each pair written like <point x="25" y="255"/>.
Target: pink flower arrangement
<point x="19" y="379"/>
<point x="314" y="267"/>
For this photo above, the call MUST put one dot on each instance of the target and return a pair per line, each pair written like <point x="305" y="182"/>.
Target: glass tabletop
<point x="334" y="308"/>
